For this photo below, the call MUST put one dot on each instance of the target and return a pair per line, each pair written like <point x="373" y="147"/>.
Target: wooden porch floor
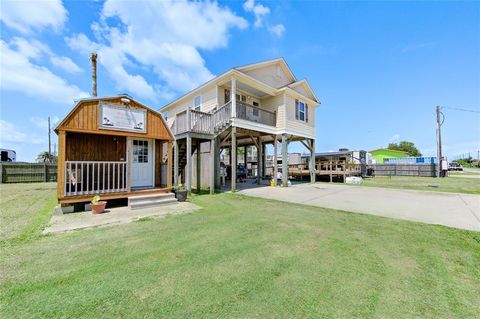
<point x="87" y="198"/>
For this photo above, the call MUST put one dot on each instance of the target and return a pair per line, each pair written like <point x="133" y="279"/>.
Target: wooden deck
<point x="87" y="198"/>
<point x="326" y="168"/>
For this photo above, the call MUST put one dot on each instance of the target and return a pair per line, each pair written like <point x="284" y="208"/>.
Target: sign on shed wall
<point x="122" y="118"/>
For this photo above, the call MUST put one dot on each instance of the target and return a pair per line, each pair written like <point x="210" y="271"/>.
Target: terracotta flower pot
<point x="99" y="207"/>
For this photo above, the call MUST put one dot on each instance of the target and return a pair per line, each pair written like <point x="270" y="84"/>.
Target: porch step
<point x="141" y="201"/>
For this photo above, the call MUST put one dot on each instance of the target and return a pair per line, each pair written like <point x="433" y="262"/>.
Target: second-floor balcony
<point x="212" y="122"/>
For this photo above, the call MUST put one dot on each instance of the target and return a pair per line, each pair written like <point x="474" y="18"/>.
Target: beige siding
<point x="272" y="75"/>
<point x="295" y="125"/>
<point x="275" y="104"/>
<point x="209" y="99"/>
<point x="301" y="89"/>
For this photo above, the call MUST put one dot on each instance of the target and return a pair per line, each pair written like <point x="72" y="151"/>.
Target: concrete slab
<point x="449" y="209"/>
<point x="114" y="216"/>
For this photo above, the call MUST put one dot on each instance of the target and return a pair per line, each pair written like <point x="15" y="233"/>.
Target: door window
<point x="140" y="151"/>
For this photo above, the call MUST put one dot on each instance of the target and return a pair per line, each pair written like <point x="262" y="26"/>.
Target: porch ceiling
<point x="248" y="89"/>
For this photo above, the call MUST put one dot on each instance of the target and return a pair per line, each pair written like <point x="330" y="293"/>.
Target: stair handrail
<point x="221" y="116"/>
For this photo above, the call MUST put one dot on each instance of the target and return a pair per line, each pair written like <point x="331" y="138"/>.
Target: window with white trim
<point x="301" y="111"/>
<point x="197" y="102"/>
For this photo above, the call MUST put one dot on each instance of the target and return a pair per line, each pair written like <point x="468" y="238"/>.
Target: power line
<point x="460" y="109"/>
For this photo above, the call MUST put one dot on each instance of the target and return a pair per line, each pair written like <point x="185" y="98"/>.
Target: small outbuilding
<point x="114" y="147"/>
<point x="380" y="154"/>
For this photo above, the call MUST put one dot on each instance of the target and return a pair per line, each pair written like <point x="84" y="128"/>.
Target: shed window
<point x="197" y="102"/>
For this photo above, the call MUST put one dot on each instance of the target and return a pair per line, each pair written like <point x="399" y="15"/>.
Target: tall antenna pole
<point x="439" y="142"/>
<point x="49" y="141"/>
<point x="94" y="74"/>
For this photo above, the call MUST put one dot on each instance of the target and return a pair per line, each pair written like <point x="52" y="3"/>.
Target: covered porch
<point x="113" y="166"/>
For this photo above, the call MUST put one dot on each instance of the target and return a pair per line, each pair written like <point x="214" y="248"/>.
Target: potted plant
<point x="180" y="192"/>
<point x="98" y="206"/>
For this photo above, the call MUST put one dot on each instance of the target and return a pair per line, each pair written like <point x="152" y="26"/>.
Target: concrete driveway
<point x="449" y="209"/>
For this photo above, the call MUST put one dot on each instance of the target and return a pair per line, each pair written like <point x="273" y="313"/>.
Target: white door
<point x="142" y="163"/>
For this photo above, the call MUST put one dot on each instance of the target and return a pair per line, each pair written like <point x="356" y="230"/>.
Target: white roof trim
<point x="307" y="86"/>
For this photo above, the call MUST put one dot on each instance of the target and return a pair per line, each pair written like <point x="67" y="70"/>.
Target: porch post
<point x="62" y="137"/>
<point x="198" y="166"/>
<point x="129" y="165"/>
<point x="213" y="171"/>
<point x="216" y="159"/>
<point x="275" y="159"/>
<point x="234" y="97"/>
<point x="175" y="164"/>
<point x="169" y="165"/>
<point x="313" y="171"/>
<point x="188" y="169"/>
<point x="233" y="158"/>
<point x="284" y="160"/>
<point x="264" y="159"/>
<point x="245" y="157"/>
<point x="259" y="160"/>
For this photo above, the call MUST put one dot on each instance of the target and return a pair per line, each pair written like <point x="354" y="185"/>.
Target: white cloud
<point x="65" y="63"/>
<point x="277" y="29"/>
<point x="26" y="16"/>
<point x="258" y="10"/>
<point x="162" y="36"/>
<point x="34" y="49"/>
<point x="42" y="123"/>
<point x="18" y="72"/>
<point x="10" y="134"/>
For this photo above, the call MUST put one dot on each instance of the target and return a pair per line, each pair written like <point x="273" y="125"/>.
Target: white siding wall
<point x="272" y="75"/>
<point x="209" y="101"/>
<point x="275" y="104"/>
<point x="296" y="125"/>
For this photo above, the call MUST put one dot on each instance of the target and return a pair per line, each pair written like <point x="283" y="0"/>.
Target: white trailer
<point x="8" y="155"/>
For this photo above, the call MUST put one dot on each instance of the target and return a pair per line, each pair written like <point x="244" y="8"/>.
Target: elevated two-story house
<point x="252" y="105"/>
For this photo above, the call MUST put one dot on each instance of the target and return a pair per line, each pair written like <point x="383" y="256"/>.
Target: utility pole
<point x="49" y="141"/>
<point x="439" y="143"/>
<point x="93" y="58"/>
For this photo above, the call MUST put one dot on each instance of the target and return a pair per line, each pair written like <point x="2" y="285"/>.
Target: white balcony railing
<point x="210" y="123"/>
<point x="94" y="177"/>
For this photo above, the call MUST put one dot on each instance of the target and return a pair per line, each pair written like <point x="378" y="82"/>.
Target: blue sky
<point x="379" y="68"/>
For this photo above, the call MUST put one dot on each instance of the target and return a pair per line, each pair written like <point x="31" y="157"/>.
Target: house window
<point x="255" y="110"/>
<point x="301" y="111"/>
<point x="197" y="102"/>
<point x="241" y="98"/>
<point x="227" y="96"/>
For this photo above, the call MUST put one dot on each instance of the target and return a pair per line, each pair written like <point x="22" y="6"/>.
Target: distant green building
<point x="382" y="153"/>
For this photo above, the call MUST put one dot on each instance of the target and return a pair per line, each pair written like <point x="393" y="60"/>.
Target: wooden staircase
<point x="182" y="158"/>
<point x="142" y="201"/>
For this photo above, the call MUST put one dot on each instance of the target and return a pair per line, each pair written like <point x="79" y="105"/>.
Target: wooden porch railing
<point x="255" y="114"/>
<point x="93" y="177"/>
<point x="221" y="116"/>
<point x="201" y="122"/>
<point x="210" y="123"/>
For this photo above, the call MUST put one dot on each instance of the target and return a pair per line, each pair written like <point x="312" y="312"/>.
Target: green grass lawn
<point x="447" y="184"/>
<point x="237" y="257"/>
<point x="24" y="210"/>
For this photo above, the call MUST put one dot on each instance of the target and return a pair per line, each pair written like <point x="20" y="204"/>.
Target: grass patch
<point x="25" y="210"/>
<point x="447" y="184"/>
<point x="246" y="257"/>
